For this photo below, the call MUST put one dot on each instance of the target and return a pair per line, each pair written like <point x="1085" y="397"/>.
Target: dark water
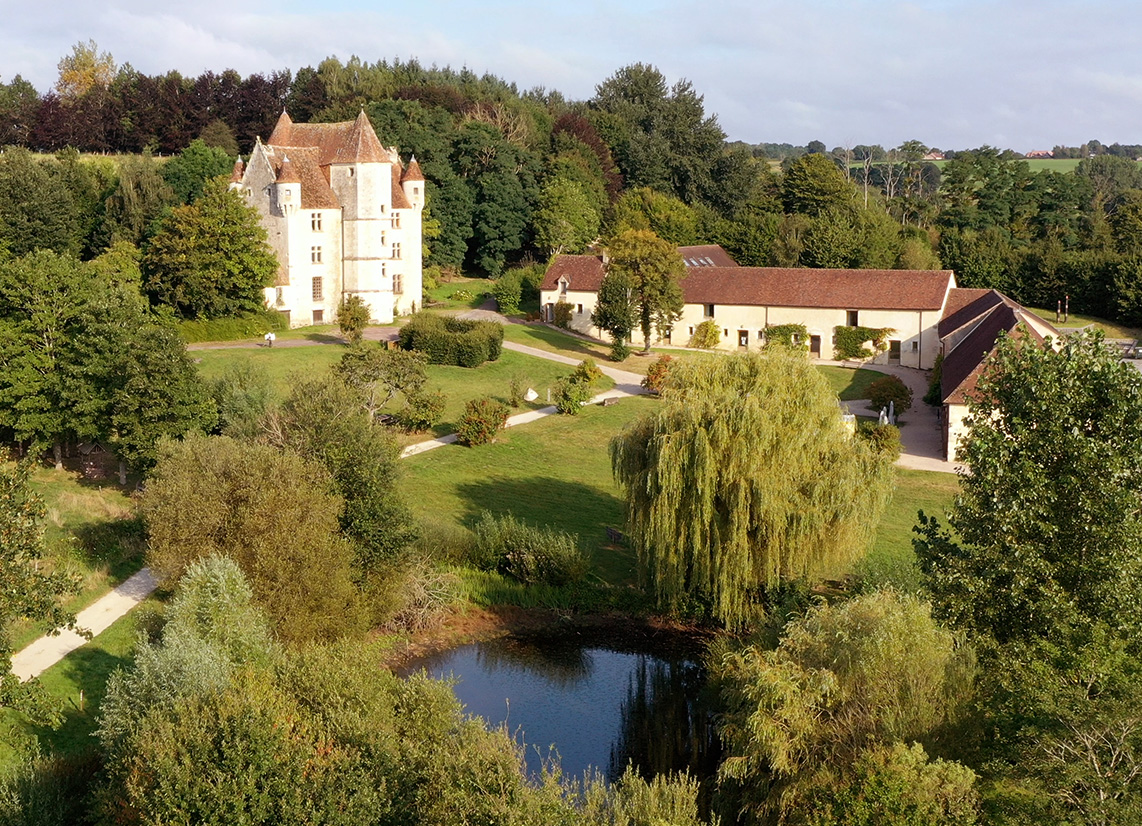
<point x="599" y="707"/>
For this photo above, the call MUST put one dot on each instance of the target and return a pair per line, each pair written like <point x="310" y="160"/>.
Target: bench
<point x="386" y="419"/>
<point x="615" y="536"/>
<point x="607" y="402"/>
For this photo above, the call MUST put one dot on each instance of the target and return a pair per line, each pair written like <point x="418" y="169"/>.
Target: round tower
<point x="412" y="182"/>
<point x="287" y="188"/>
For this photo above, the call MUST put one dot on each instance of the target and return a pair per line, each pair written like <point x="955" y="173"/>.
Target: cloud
<point x="955" y="73"/>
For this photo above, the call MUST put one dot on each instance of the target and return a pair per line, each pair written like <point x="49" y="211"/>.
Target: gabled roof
<point x="967" y="304"/>
<point x="315" y="190"/>
<point x="583" y="273"/>
<point x="707" y="255"/>
<point x="819" y="288"/>
<point x="352" y="141"/>
<point x="965" y="364"/>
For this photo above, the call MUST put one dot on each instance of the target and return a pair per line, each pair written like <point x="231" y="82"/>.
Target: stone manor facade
<point x="343" y="216"/>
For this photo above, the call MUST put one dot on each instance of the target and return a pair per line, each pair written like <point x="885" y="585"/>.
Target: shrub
<point x="890" y="389"/>
<point x="453" y="341"/>
<point x="561" y="314"/>
<point x="706" y="335"/>
<point x="482" y="419"/>
<point x="571" y="395"/>
<point x="508" y="291"/>
<point x="462" y="295"/>
<point x="353" y="318"/>
<point x="587" y="372"/>
<point x="422" y="411"/>
<point x="516" y="389"/>
<point x="620" y="350"/>
<point x="657" y="374"/>
<point x="530" y="555"/>
<point x="883" y="438"/>
<point x="850" y="341"/>
<point x="793" y="336"/>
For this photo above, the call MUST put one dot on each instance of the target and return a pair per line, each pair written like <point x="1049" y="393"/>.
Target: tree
<point x="615" y="311"/>
<point x="564" y="219"/>
<point x="812" y="184"/>
<point x="322" y="421"/>
<point x="36" y="209"/>
<point x="83" y="70"/>
<point x="26" y="592"/>
<point x="140" y="199"/>
<point x="745" y="479"/>
<point x="211" y="259"/>
<point x="187" y="172"/>
<point x="272" y="513"/>
<point x="867" y="673"/>
<point x="378" y="374"/>
<point x="653" y="269"/>
<point x="1048" y="534"/>
<point x="45" y="302"/>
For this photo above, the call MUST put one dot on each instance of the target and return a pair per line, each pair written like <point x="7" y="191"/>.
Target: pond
<point x="599" y="705"/>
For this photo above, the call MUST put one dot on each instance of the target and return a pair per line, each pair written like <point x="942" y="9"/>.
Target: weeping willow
<point x="746" y="478"/>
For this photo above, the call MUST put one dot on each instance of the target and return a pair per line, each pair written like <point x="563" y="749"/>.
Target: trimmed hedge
<point x="454" y="341"/>
<point x="254" y="325"/>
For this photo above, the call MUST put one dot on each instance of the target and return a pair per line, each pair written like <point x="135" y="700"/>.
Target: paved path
<point x="49" y="650"/>
<point x="921" y="449"/>
<point x="97" y="618"/>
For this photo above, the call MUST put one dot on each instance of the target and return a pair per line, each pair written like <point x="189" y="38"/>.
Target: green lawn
<point x="441" y="295"/>
<point x="847" y="383"/>
<point x="890" y="560"/>
<point x="552" y="472"/>
<point x="557" y="472"/>
<point x="459" y="384"/>
<point x="78" y="682"/>
<point x="91" y="532"/>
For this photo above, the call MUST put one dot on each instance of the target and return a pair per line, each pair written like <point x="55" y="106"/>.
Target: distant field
<point x="1075" y="321"/>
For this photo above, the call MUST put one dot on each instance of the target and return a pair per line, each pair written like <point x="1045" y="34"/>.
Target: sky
<point x="953" y="74"/>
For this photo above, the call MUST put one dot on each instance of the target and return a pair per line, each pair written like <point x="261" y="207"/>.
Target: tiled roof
<point x="236" y="174"/>
<point x="967" y="304"/>
<point x="286" y="173"/>
<point x="412" y="173"/>
<point x="583" y="272"/>
<point x="964" y="365"/>
<point x="399" y="199"/>
<point x="707" y="255"/>
<point x="834" y="289"/>
<point x="352" y="141"/>
<point x="315" y="190"/>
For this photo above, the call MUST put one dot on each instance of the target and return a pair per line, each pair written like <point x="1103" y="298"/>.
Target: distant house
<point x="745" y="301"/>
<point x="972" y="323"/>
<point x="1039" y="153"/>
<point x="933" y="156"/>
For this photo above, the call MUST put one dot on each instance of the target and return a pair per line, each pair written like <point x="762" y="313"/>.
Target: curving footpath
<point x="921" y="449"/>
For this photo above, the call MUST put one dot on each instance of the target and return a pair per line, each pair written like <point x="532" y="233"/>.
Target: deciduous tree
<point x="653" y="269"/>
<point x="211" y="259"/>
<point x="745" y="479"/>
<point x="1047" y="529"/>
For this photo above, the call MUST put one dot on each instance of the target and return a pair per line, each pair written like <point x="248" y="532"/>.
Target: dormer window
<point x="562" y="286"/>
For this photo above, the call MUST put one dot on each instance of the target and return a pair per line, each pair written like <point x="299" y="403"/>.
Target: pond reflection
<point x="599" y="707"/>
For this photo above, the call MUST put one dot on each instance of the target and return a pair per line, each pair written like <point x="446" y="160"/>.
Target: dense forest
<point x="517" y="175"/>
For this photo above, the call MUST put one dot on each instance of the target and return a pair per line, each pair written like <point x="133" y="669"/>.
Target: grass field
<point x="91" y="532"/>
<point x="459" y="384"/>
<point x="1075" y="321"/>
<point x="557" y="472"/>
<point x="441" y="296"/>
<point x="78" y="682"/>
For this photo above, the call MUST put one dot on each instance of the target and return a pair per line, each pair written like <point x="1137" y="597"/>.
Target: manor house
<point x="343" y="217"/>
